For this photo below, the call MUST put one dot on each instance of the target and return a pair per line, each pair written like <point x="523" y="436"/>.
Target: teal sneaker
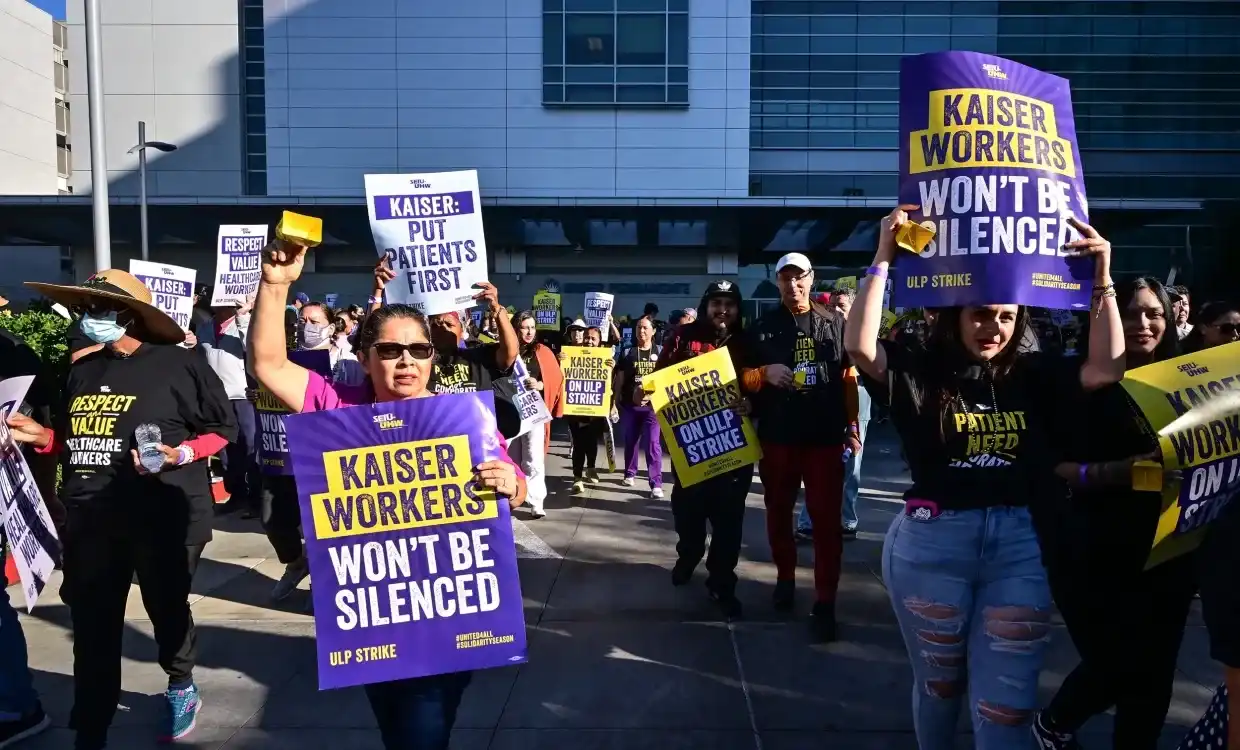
<point x="183" y="708"/>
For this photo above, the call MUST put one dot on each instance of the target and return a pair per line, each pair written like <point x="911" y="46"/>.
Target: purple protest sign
<point x="273" y="458"/>
<point x="238" y="261"/>
<point x="988" y="151"/>
<point x="1206" y="490"/>
<point x="414" y="566"/>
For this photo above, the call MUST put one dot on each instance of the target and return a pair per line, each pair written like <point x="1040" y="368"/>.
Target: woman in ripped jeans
<point x="962" y="563"/>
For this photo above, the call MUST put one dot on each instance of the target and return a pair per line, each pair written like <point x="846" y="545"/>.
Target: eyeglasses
<point x="1227" y="329"/>
<point x="393" y="350"/>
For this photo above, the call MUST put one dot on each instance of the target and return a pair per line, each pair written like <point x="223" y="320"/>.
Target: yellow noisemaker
<point x="914" y="237"/>
<point x="298" y="229"/>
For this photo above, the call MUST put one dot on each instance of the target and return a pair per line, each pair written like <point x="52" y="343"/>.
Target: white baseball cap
<point x="796" y="260"/>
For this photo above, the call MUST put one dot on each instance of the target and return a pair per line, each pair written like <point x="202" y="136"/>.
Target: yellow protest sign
<point x="1193" y="404"/>
<point x="587" y="381"/>
<point x="547" y="311"/>
<point x="846" y="282"/>
<point x="704" y="434"/>
<point x="888" y="321"/>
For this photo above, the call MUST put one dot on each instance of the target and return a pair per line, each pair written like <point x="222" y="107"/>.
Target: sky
<point x="55" y="7"/>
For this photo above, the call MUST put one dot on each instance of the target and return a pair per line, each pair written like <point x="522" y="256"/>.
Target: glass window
<point x="254" y="37"/>
<point x="255" y="105"/>
<point x="677" y="75"/>
<point x="678" y="94"/>
<point x="553" y="93"/>
<point x="589" y="74"/>
<point x="255" y="86"/>
<point x="589" y="94"/>
<point x="553" y="74"/>
<point x="253" y="70"/>
<point x="256" y="183"/>
<point x="659" y="5"/>
<point x="641" y="39"/>
<point x="553" y="4"/>
<point x="553" y="38"/>
<point x="589" y="39"/>
<point x="833" y="25"/>
<point x="678" y="39"/>
<point x="588" y="5"/>
<point x="256" y="143"/>
<point x="639" y="94"/>
<point x="641" y="75"/>
<point x="255" y="54"/>
<point x="257" y="161"/>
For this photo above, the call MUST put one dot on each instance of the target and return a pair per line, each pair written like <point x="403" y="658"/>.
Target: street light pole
<point x="143" y="145"/>
<point x="146" y="247"/>
<point x="98" y="158"/>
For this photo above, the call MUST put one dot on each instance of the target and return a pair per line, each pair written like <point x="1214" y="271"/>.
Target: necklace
<point x="994" y="401"/>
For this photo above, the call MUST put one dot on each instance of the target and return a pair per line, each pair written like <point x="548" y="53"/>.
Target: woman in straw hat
<point x="122" y="517"/>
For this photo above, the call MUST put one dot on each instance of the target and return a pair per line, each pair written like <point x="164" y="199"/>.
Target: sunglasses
<point x="1227" y="329"/>
<point x="392" y="350"/>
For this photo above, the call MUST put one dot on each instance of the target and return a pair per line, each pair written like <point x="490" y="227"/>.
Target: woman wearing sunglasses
<point x="122" y="517"/>
<point x="395" y="352"/>
<point x="1218" y="323"/>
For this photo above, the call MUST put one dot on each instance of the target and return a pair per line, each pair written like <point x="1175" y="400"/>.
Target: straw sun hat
<point x="117" y="286"/>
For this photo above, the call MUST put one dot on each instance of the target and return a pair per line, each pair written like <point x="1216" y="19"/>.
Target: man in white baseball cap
<point x="795" y="260"/>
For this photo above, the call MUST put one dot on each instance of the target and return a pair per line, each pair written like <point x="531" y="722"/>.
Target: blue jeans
<point x="418" y="713"/>
<point x="973" y="605"/>
<point x="852" y="485"/>
<point x="17" y="695"/>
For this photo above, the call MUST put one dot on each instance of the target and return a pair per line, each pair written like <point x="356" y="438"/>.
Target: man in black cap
<point x="720" y="499"/>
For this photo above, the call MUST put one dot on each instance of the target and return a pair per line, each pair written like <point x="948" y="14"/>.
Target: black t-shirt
<point x="991" y="443"/>
<point x="473" y="370"/>
<point x="107" y="397"/>
<point x="636" y="363"/>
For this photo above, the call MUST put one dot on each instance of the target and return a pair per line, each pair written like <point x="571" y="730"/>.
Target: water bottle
<point x="149" y="454"/>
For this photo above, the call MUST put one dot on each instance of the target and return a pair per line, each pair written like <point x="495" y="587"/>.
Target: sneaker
<point x="538" y="513"/>
<point x="682" y="571"/>
<point x="850" y="532"/>
<point x="13" y="732"/>
<point x="294" y="573"/>
<point x="579" y="487"/>
<point x="657" y="493"/>
<point x="784" y="598"/>
<point x="729" y="606"/>
<point x="822" y="622"/>
<point x="592" y="476"/>
<point x="183" y="708"/>
<point x="804" y="534"/>
<point x="628" y="482"/>
<point x="1048" y="739"/>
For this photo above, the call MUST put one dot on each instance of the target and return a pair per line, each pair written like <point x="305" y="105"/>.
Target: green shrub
<point x="47" y="334"/>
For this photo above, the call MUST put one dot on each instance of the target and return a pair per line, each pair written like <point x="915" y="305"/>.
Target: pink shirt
<point x="323" y="394"/>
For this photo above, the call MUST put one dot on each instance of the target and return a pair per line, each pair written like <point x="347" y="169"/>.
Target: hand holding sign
<point x="282" y="263"/>
<point x="888" y="247"/>
<point x="383" y="275"/>
<point x="1090" y="244"/>
<point x="489" y="296"/>
<point x="500" y="476"/>
<point x="26" y="430"/>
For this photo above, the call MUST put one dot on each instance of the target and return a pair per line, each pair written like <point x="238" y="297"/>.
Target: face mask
<point x="102" y="329"/>
<point x="313" y="335"/>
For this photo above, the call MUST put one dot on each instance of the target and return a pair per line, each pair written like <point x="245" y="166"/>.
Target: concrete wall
<point x="357" y="86"/>
<point x="27" y="101"/>
<point x="173" y="64"/>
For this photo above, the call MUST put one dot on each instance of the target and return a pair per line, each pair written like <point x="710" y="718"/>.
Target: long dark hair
<point x="1169" y="345"/>
<point x="1206" y="314"/>
<point x="523" y="316"/>
<point x="368" y="331"/>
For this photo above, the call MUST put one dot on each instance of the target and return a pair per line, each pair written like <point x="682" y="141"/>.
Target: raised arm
<point x="383" y="274"/>
<point x="267" y="347"/>
<point x="506" y="335"/>
<point x="1105" y="363"/>
<point x="866" y="317"/>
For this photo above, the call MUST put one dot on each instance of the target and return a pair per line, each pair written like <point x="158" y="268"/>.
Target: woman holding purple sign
<point x="962" y="562"/>
<point x="396" y="354"/>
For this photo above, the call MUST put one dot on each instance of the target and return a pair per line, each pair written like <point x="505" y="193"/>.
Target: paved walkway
<point x="619" y="659"/>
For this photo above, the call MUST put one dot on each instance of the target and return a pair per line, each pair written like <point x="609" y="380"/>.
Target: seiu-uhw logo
<point x="245" y="230"/>
<point x="994" y="71"/>
<point x="388" y="421"/>
<point x="420" y="183"/>
<point x="1192" y="369"/>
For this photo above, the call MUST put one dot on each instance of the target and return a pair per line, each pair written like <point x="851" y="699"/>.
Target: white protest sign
<point x="172" y="288"/>
<point x="28" y="526"/>
<point x="13" y="393"/>
<point x="429" y="227"/>
<point x="528" y="401"/>
<point x="331" y="299"/>
<point x="598" y="307"/>
<point x="238" y="262"/>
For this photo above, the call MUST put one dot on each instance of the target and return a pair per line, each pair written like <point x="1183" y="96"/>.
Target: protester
<point x="806" y="397"/>
<point x="962" y="563"/>
<point x="586" y="431"/>
<point x="122" y="517"/>
<point x="1095" y="545"/>
<point x="292" y="319"/>
<point x="396" y="354"/>
<point x="1182" y="306"/>
<point x="530" y="450"/>
<point x="637" y="417"/>
<point x="222" y="342"/>
<point x="1218" y="323"/>
<point x="316" y="331"/>
<point x="200" y="315"/>
<point x="841" y="301"/>
<point x="720" y="499"/>
<point x="473" y="369"/>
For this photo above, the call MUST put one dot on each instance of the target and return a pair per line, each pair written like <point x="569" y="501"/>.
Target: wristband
<point x="854" y="429"/>
<point x="185" y="455"/>
<point x="876" y="272"/>
<point x="374" y="301"/>
<point x="1083" y="475"/>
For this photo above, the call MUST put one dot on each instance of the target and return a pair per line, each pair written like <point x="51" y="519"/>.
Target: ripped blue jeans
<point x="974" y="607"/>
